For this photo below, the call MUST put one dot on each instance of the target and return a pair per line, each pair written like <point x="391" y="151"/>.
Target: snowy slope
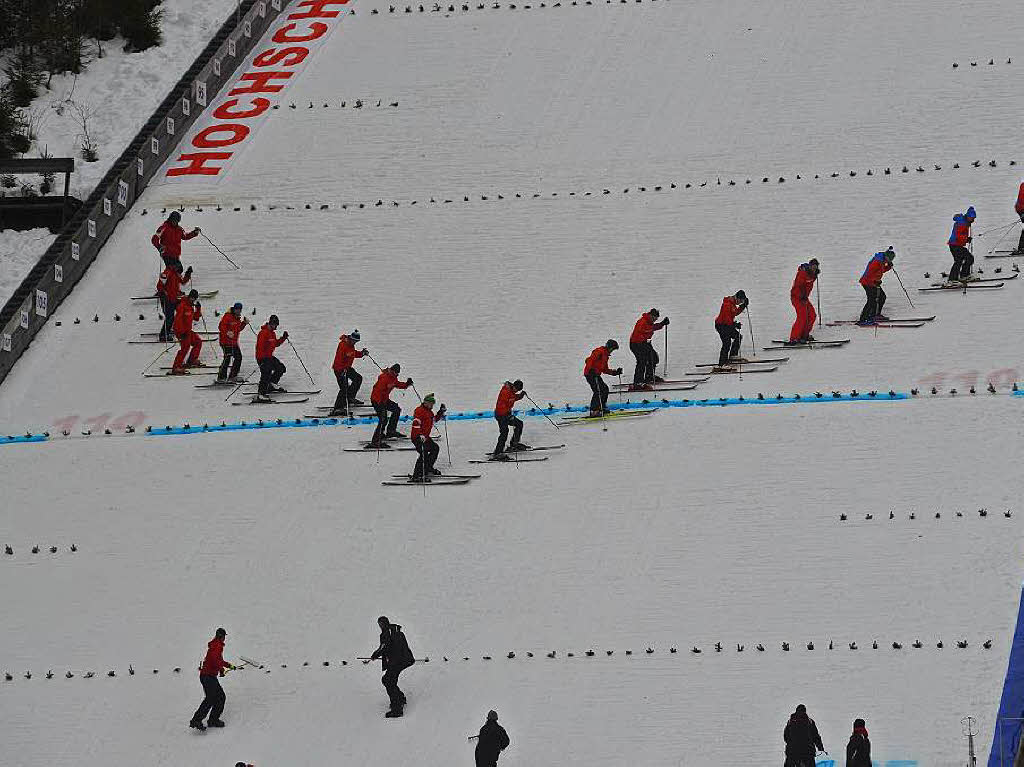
<point x="685" y="529"/>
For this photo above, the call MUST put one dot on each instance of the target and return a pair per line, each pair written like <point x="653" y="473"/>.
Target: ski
<point x="891" y="319"/>
<point x="807" y="344"/>
<point x="293" y="401"/>
<point x="744" y="361"/>
<point x="193" y="368"/>
<point x="216" y="385"/>
<point x="432" y="483"/>
<point x="372" y="449"/>
<point x="903" y="324"/>
<point x="967" y="286"/>
<point x="613" y="415"/>
<point x="154" y="296"/>
<point x="169" y="375"/>
<point x="441" y="476"/>
<point x="1004" y="254"/>
<point x="658" y="389"/>
<point x="213" y="333"/>
<point x="740" y="370"/>
<point x="524" y="459"/>
<point x="960" y="283"/>
<point x="533" y="449"/>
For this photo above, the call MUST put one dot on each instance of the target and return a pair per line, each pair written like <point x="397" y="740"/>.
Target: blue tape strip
<point x="1007" y="733"/>
<point x="477" y="415"/>
<point x="9" y="440"/>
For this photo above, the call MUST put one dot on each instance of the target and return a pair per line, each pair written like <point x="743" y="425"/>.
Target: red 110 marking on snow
<point x="133" y="418"/>
<point x="233" y="119"/>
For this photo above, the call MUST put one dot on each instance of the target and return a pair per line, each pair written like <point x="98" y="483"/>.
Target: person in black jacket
<point x="802" y="739"/>
<point x="491" y="741"/>
<point x="858" y="750"/>
<point x="395" y="657"/>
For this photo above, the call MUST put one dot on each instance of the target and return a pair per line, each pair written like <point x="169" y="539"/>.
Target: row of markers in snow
<point x="982" y="513"/>
<point x="9" y="550"/>
<point x="291" y="423"/>
<point x="718" y="647"/>
<point x="508" y="196"/>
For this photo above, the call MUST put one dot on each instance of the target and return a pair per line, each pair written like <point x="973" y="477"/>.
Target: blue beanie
<point x="354" y="335"/>
<point x="970" y="213"/>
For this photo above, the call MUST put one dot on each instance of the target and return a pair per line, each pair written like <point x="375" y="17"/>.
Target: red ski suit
<point x="800" y="296"/>
<point x="345" y="355"/>
<point x="169" y="284"/>
<point x="214" y="663"/>
<point x="507" y="398"/>
<point x="267" y="343"/>
<point x="168" y="239"/>
<point x="422" y="423"/>
<point x="1019" y="207"/>
<point x="386" y="383"/>
<point x="597" y="362"/>
<point x="185" y="315"/>
<point x="729" y="312"/>
<point x="644" y="329"/>
<point x="230" y="328"/>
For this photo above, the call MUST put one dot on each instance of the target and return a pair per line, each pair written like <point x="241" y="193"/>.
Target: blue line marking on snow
<point x="1011" y="705"/>
<point x="477" y="415"/>
<point x="11" y="440"/>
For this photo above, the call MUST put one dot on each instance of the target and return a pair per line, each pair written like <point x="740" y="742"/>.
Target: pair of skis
<point x="407" y="480"/>
<point x="892" y="322"/>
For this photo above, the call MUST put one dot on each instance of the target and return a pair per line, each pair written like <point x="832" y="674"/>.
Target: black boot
<point x="196" y="724"/>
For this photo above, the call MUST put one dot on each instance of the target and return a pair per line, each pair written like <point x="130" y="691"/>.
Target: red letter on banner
<point x="317" y="9"/>
<point x="224" y="111"/>
<point x="196" y="164"/>
<point x="260" y="82"/>
<point x="318" y="29"/>
<point x="237" y="131"/>
<point x="288" y="57"/>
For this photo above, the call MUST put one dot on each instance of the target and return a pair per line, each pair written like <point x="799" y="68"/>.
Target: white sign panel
<point x="7" y="342"/>
<point x="170" y="126"/>
<point x="201" y="93"/>
<point x="76" y="251"/>
<point x="41" y="303"/>
<point x="122" y="193"/>
<point x="154" y="145"/>
<point x="24" y="318"/>
<point x="92" y="228"/>
<point x="58" y="273"/>
<point x="106" y="206"/>
<point x="186" y="107"/>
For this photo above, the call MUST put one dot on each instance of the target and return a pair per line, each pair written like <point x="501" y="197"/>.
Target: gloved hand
<point x="196" y="231"/>
<point x="188" y="272"/>
<point x="664" y="321"/>
<point x="365" y="351"/>
<point x="617" y="372"/>
<point x="442" y="410"/>
<point x="284" y="336"/>
<point x="408" y="382"/>
<point x="737" y="325"/>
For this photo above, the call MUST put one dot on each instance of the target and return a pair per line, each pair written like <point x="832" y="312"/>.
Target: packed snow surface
<point x="680" y="530"/>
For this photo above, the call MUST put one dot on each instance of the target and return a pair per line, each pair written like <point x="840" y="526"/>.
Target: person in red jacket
<point x="642" y="348"/>
<point x="214" y="698"/>
<point x="271" y="368"/>
<point x="423" y="418"/>
<point x="1019" y="208"/>
<point x="168" y="291"/>
<point x="388" y="412"/>
<point x="188" y="311"/>
<point x="728" y="328"/>
<point x="168" y="237"/>
<point x="800" y="297"/>
<point x="511" y="392"/>
<point x="959" y="238"/>
<point x="231" y="326"/>
<point x="349" y="380"/>
<point x="871" y="281"/>
<point x="595" y="366"/>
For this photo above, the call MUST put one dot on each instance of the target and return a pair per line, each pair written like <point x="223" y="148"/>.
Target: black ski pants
<point x="875" y="302"/>
<point x="963" y="259"/>
<point x="1020" y="245"/>
<point x="387" y="418"/>
<point x="504" y="421"/>
<point x="169" y="308"/>
<point x="731" y="340"/>
<point x="233" y="357"/>
<point x="349" y="382"/>
<point x="390" y="682"/>
<point x="646" y="362"/>
<point x="427" y="450"/>
<point x="599" y="402"/>
<point x="800" y="761"/>
<point x="213" y="700"/>
<point x="271" y="370"/>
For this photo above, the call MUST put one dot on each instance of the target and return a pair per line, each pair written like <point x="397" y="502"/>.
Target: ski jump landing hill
<point x="533" y="178"/>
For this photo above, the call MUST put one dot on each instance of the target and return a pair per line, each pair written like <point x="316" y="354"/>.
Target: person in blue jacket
<point x="963" y="259"/>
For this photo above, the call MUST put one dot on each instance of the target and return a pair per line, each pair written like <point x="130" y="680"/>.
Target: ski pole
<point x="301" y="362"/>
<point x="375" y="363"/>
<point x="220" y="251"/>
<point x="542" y="411"/>
<point x="232" y="394"/>
<point x="901" y="285"/>
<point x="665" y="367"/>
<point x="817" y="287"/>
<point x="753" y="344"/>
<point x="414" y="391"/>
<point x="161" y="354"/>
<point x="447" y="442"/>
<point x="1001" y="238"/>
